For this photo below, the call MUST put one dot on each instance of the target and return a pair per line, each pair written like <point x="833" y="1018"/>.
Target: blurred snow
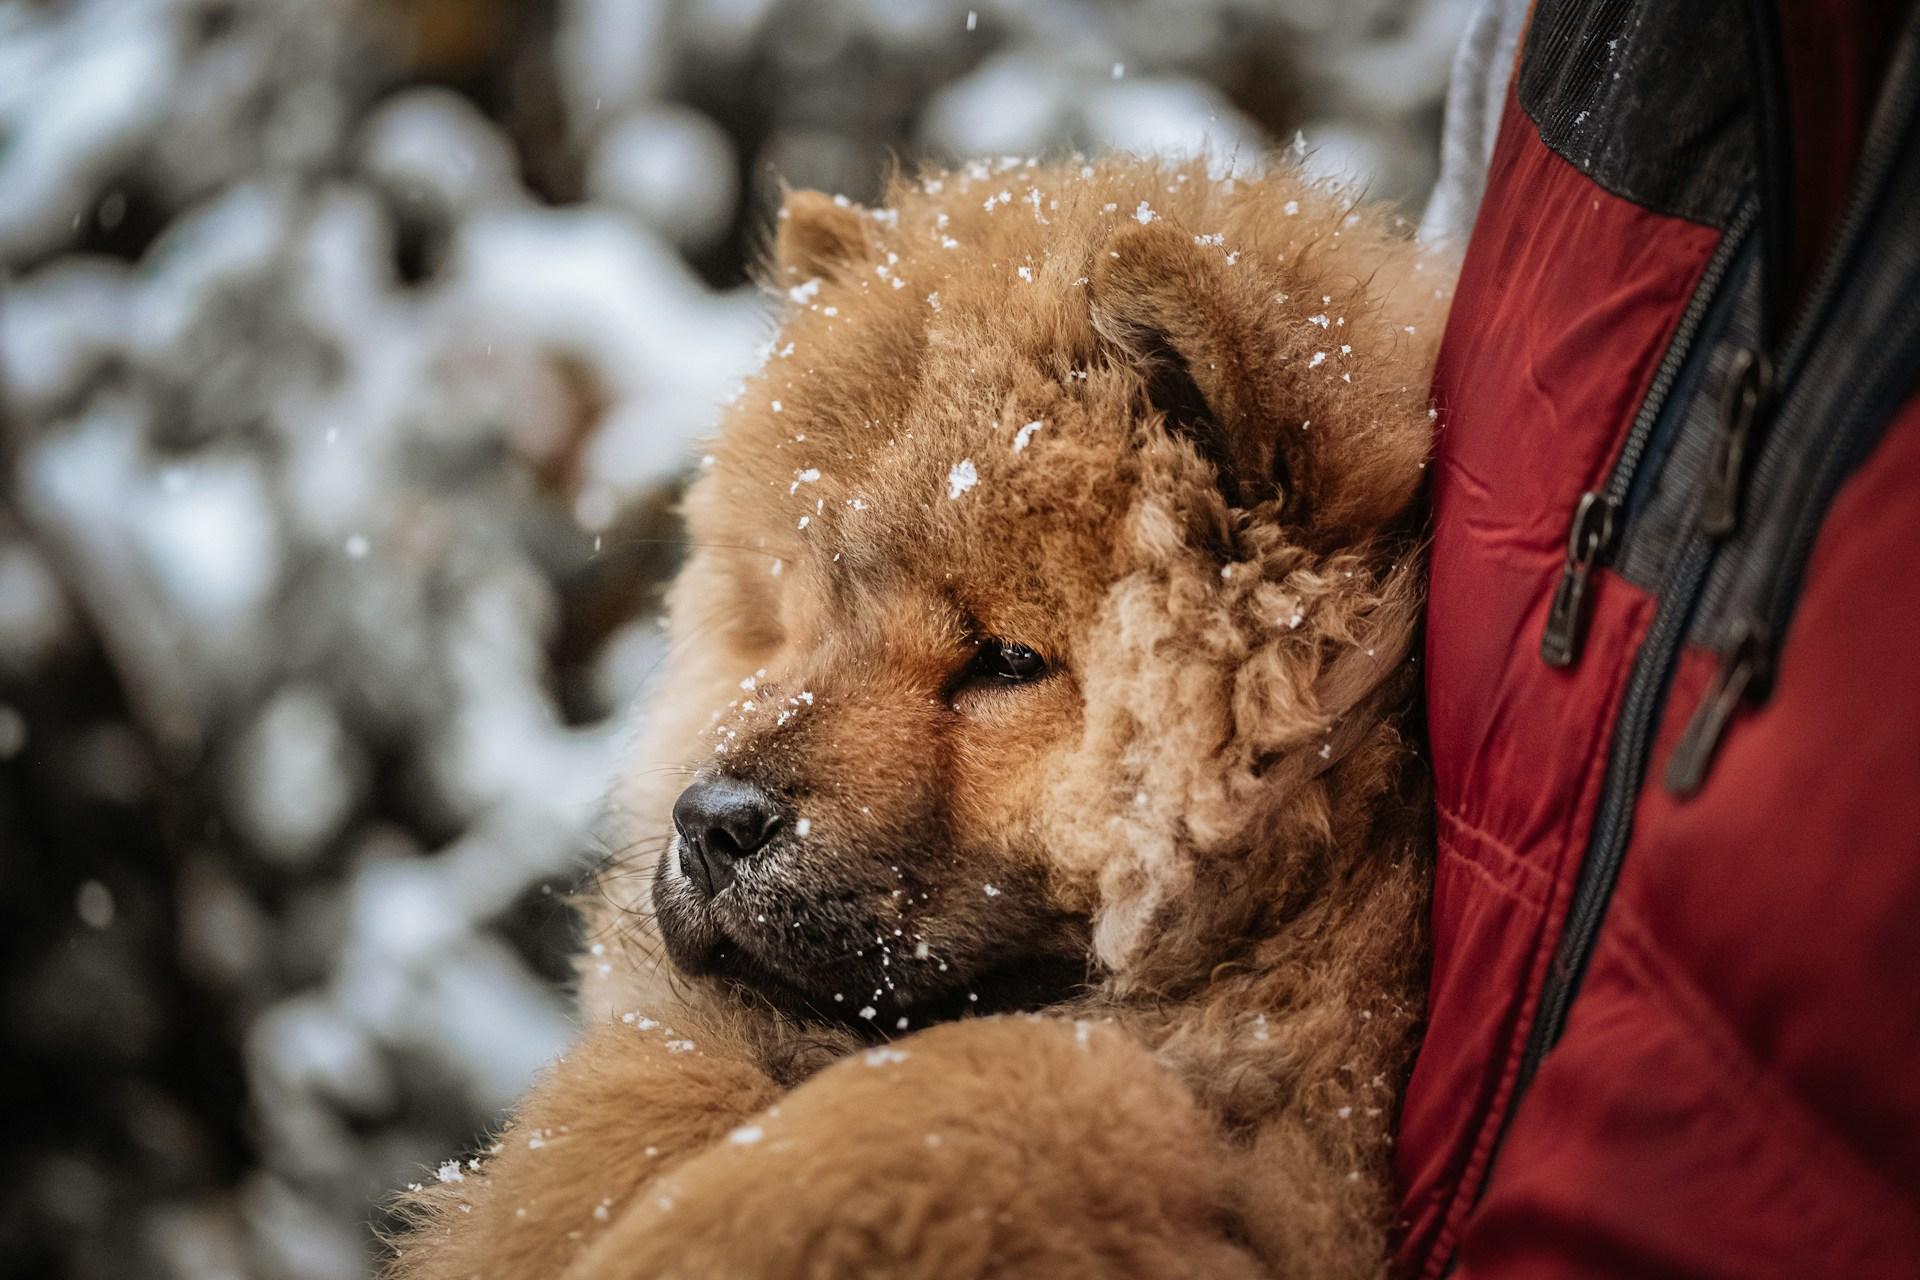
<point x="34" y="618"/>
<point x="612" y="54"/>
<point x="1170" y="117"/>
<point x="673" y="168"/>
<point x="434" y="147"/>
<point x="351" y="357"/>
<point x="1010" y="105"/>
<point x="296" y="776"/>
<point x="58" y="327"/>
<point x="75" y="100"/>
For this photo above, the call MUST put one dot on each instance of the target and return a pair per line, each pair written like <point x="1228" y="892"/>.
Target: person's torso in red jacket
<point x="1734" y="1087"/>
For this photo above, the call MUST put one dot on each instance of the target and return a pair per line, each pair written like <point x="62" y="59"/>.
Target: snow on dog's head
<point x="1052" y="589"/>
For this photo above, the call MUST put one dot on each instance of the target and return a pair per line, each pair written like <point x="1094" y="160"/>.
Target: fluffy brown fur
<point x="1195" y="844"/>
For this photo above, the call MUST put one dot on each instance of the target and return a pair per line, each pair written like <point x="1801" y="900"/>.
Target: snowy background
<point x="350" y="354"/>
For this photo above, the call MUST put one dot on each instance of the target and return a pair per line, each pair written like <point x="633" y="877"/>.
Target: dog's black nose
<point x="721" y="822"/>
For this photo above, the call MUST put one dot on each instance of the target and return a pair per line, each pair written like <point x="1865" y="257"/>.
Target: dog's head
<point x="1051" y="589"/>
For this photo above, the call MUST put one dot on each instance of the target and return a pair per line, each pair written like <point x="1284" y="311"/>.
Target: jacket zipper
<point x="1744" y="675"/>
<point x="1750" y="395"/>
<point x="1747" y="664"/>
<point x="1746" y="667"/>
<point x="1626" y="765"/>
<point x="1561" y="640"/>
<point x="1593" y="533"/>
<point x="1646" y="686"/>
<point x="1648" y="682"/>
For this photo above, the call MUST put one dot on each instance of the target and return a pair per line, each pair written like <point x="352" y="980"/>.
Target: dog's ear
<point x="818" y="235"/>
<point x="1232" y="370"/>
<point x="1168" y="307"/>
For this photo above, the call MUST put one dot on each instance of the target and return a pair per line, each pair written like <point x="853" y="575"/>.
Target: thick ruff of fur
<point x="1167" y="431"/>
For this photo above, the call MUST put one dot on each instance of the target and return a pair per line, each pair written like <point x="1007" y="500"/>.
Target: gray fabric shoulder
<point x="1476" y="95"/>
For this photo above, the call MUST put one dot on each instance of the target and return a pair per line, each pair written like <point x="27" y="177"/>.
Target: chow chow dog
<point x="1031" y="856"/>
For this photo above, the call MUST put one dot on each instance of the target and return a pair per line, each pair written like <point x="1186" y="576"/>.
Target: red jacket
<point x="1674" y="1022"/>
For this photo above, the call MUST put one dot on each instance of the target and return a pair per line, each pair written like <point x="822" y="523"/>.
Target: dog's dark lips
<point x="702" y="942"/>
<point x="1020" y="985"/>
<point x="738" y="970"/>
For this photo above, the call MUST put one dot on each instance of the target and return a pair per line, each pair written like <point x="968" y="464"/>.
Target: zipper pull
<point x="1745" y="668"/>
<point x="1749" y="388"/>
<point x="1587" y="541"/>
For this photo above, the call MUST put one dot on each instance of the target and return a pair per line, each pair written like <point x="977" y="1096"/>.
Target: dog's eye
<point x="1005" y="660"/>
